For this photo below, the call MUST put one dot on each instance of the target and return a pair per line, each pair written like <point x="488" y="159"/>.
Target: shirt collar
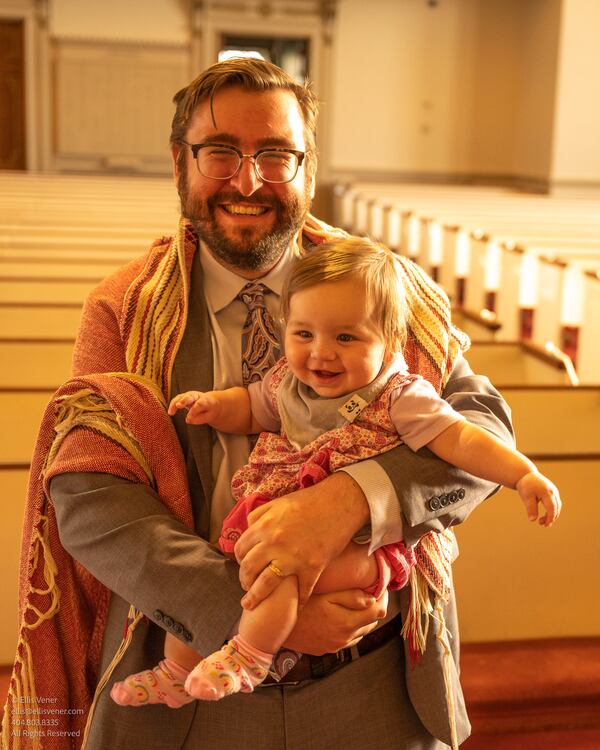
<point x="221" y="286"/>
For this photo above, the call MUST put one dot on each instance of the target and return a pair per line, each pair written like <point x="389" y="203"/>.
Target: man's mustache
<point x="235" y="197"/>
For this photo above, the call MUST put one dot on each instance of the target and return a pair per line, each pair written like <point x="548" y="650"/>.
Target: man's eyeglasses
<point x="219" y="162"/>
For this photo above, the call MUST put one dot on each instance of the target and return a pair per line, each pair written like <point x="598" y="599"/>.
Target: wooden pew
<point x="478" y="204"/>
<point x="587" y="350"/>
<point x="35" y="320"/>
<point x="14" y="488"/>
<point x="76" y="245"/>
<point x="55" y="291"/>
<point x="59" y="236"/>
<point x="488" y="257"/>
<point x="22" y="409"/>
<point x="477" y="209"/>
<point x="35" y="363"/>
<point x="79" y="269"/>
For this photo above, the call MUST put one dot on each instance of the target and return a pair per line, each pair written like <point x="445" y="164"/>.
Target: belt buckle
<point x="321" y="666"/>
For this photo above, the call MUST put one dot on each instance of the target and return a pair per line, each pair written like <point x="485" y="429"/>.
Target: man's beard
<point x="246" y="251"/>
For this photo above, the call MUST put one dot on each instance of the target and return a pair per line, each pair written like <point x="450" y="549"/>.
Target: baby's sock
<point x="237" y="667"/>
<point x="163" y="684"/>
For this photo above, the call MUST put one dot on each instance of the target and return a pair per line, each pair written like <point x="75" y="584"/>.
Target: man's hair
<point x="253" y="75"/>
<point x="370" y="263"/>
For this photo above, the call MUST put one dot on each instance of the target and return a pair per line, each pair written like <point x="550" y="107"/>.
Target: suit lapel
<point x="193" y="370"/>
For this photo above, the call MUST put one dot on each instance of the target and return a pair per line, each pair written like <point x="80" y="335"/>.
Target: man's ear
<point x="388" y="357"/>
<point x="175" y="150"/>
<point x="313" y="183"/>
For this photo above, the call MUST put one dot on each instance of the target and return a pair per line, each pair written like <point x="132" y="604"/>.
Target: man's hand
<point x="300" y="533"/>
<point x="330" y="622"/>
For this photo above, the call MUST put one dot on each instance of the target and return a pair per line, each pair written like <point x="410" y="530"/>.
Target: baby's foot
<point x="163" y="684"/>
<point x="237" y="667"/>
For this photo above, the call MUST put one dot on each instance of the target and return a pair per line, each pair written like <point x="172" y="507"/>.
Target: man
<point x="119" y="529"/>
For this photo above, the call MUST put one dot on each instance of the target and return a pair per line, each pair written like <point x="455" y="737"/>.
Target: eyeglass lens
<point x="222" y="163"/>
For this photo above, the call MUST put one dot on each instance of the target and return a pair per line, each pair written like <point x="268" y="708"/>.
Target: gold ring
<point x="274" y="569"/>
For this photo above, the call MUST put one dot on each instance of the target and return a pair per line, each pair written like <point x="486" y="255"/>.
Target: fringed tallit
<point x="94" y="424"/>
<point x="155" y="308"/>
<point x="104" y="423"/>
<point x="107" y="423"/>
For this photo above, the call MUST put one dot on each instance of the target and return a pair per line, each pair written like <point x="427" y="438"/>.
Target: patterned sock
<point x="237" y="667"/>
<point x="163" y="684"/>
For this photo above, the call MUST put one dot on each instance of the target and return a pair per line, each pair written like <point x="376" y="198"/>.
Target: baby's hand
<point x="535" y="488"/>
<point x="202" y="407"/>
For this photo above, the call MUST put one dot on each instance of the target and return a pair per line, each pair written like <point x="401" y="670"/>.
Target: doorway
<point x="291" y="54"/>
<point x="12" y="94"/>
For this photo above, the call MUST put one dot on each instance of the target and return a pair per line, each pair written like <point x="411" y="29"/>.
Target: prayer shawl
<point x="108" y="423"/>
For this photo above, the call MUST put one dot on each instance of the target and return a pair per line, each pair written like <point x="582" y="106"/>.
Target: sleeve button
<point x="434" y="503"/>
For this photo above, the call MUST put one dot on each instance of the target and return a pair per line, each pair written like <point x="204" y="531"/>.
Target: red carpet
<point x="533" y="695"/>
<point x="517" y="686"/>
<point x="4" y="682"/>
<point x="577" y="739"/>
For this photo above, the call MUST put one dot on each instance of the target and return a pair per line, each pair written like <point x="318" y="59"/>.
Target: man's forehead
<point x="239" y="113"/>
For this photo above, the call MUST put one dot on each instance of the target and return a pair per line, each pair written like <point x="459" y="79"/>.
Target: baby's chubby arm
<point x="477" y="451"/>
<point x="228" y="410"/>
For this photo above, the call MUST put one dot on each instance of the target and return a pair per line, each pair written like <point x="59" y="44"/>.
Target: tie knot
<point x="253" y="295"/>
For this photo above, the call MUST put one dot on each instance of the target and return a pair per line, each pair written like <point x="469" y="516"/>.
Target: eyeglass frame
<point x="197" y="146"/>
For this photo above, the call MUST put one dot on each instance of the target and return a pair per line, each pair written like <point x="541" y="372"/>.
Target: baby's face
<point x="332" y="343"/>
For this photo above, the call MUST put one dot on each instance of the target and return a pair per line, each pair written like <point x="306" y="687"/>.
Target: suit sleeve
<point x="430" y="493"/>
<point x="122" y="533"/>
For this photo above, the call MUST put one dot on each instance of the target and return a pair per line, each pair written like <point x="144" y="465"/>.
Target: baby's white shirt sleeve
<point x="419" y="414"/>
<point x="262" y="403"/>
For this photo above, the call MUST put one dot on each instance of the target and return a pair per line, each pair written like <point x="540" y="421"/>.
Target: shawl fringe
<point x="63" y="609"/>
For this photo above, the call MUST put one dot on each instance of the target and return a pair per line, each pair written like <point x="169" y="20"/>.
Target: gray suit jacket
<point x="124" y="535"/>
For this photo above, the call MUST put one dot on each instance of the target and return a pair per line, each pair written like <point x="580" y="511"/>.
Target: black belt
<point x="315" y="667"/>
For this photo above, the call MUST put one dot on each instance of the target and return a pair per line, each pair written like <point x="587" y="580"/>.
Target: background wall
<point x="533" y="118"/>
<point x="402" y="92"/>
<point x="466" y="88"/>
<point x="576" y="155"/>
<point x="116" y="67"/>
<point x="485" y="90"/>
<point x="164" y="21"/>
<point x="113" y="104"/>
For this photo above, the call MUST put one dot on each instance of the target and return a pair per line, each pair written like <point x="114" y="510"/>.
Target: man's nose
<point x="246" y="181"/>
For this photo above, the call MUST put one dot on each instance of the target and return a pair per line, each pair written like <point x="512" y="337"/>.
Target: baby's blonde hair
<point x="361" y="258"/>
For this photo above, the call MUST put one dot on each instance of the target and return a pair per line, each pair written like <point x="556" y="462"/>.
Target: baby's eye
<point x="345" y="337"/>
<point x="304" y="334"/>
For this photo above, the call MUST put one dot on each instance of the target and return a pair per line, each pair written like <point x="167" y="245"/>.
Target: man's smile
<point x="238" y="209"/>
